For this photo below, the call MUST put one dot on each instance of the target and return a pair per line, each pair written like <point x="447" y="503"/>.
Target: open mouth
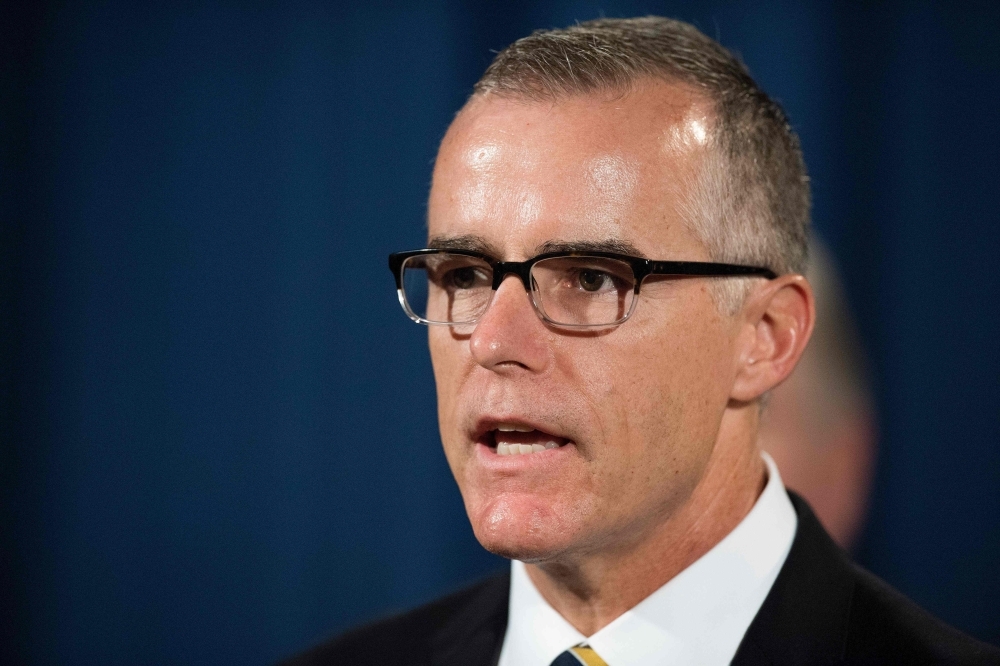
<point x="509" y="439"/>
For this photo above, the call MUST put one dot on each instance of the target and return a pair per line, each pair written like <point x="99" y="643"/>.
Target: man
<point x="613" y="282"/>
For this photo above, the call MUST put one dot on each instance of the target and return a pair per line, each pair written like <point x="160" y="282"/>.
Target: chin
<point x="521" y="528"/>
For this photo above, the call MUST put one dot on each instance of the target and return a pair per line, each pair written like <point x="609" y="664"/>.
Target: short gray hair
<point x="751" y="204"/>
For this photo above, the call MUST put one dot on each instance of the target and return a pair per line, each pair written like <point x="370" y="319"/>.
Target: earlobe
<point x="779" y="319"/>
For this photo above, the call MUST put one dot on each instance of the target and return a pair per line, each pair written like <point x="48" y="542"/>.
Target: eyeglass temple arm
<point x="706" y="269"/>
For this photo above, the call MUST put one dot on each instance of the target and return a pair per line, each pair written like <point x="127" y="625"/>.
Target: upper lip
<point x="487" y="424"/>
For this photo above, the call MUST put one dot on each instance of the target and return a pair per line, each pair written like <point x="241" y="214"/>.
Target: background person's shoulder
<point x="465" y="627"/>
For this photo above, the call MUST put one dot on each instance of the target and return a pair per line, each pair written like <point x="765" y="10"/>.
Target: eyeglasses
<point x="568" y="289"/>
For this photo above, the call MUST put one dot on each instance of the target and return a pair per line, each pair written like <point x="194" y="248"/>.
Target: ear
<point x="778" y="319"/>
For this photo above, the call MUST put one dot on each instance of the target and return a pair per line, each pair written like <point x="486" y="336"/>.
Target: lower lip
<point x="488" y="457"/>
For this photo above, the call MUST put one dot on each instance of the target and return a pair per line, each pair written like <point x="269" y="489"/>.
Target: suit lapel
<point x="473" y="635"/>
<point x="804" y="618"/>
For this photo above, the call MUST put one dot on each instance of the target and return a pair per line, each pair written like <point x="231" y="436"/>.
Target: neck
<point x="593" y="589"/>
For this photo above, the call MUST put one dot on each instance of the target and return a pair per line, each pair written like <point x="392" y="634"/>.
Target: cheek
<point x="629" y="381"/>
<point x="659" y="397"/>
<point x="447" y="362"/>
<point x="623" y="386"/>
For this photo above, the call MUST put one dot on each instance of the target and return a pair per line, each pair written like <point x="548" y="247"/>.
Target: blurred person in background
<point x="613" y="283"/>
<point x="819" y="425"/>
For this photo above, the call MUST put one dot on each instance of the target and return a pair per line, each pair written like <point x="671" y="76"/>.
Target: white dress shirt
<point x="697" y="617"/>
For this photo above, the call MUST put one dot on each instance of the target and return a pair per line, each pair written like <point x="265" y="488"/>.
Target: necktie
<point x="581" y="654"/>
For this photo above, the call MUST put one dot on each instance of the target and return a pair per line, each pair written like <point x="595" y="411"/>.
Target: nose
<point x="510" y="335"/>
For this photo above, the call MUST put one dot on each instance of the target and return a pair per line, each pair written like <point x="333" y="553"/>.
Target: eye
<point x="463" y="278"/>
<point x="592" y="280"/>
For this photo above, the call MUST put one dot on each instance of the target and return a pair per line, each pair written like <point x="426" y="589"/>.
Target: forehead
<point x="598" y="167"/>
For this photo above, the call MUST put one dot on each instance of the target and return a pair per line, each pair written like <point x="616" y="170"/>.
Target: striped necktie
<point x="581" y="654"/>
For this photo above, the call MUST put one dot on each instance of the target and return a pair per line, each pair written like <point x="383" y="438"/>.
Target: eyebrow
<point x="479" y="244"/>
<point x="469" y="242"/>
<point x="613" y="245"/>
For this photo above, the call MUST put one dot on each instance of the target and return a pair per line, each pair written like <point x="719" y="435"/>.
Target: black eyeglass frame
<point x="641" y="269"/>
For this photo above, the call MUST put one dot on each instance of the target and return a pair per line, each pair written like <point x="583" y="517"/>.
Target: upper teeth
<point x="505" y="449"/>
<point x="512" y="427"/>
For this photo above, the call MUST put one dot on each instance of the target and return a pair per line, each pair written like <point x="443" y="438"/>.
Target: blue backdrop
<point x="218" y="429"/>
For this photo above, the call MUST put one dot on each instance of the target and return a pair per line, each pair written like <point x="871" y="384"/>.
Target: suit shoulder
<point x="887" y="627"/>
<point x="403" y="638"/>
<point x="824" y="609"/>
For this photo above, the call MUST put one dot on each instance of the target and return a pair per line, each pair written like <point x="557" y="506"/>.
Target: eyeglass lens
<point x="447" y="288"/>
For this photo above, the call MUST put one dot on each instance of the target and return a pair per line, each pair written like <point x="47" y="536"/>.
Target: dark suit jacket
<point x="822" y="609"/>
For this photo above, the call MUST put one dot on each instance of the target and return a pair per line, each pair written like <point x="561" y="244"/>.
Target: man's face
<point x="635" y="410"/>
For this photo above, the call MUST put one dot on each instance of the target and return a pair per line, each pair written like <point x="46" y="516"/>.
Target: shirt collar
<point x="697" y="617"/>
